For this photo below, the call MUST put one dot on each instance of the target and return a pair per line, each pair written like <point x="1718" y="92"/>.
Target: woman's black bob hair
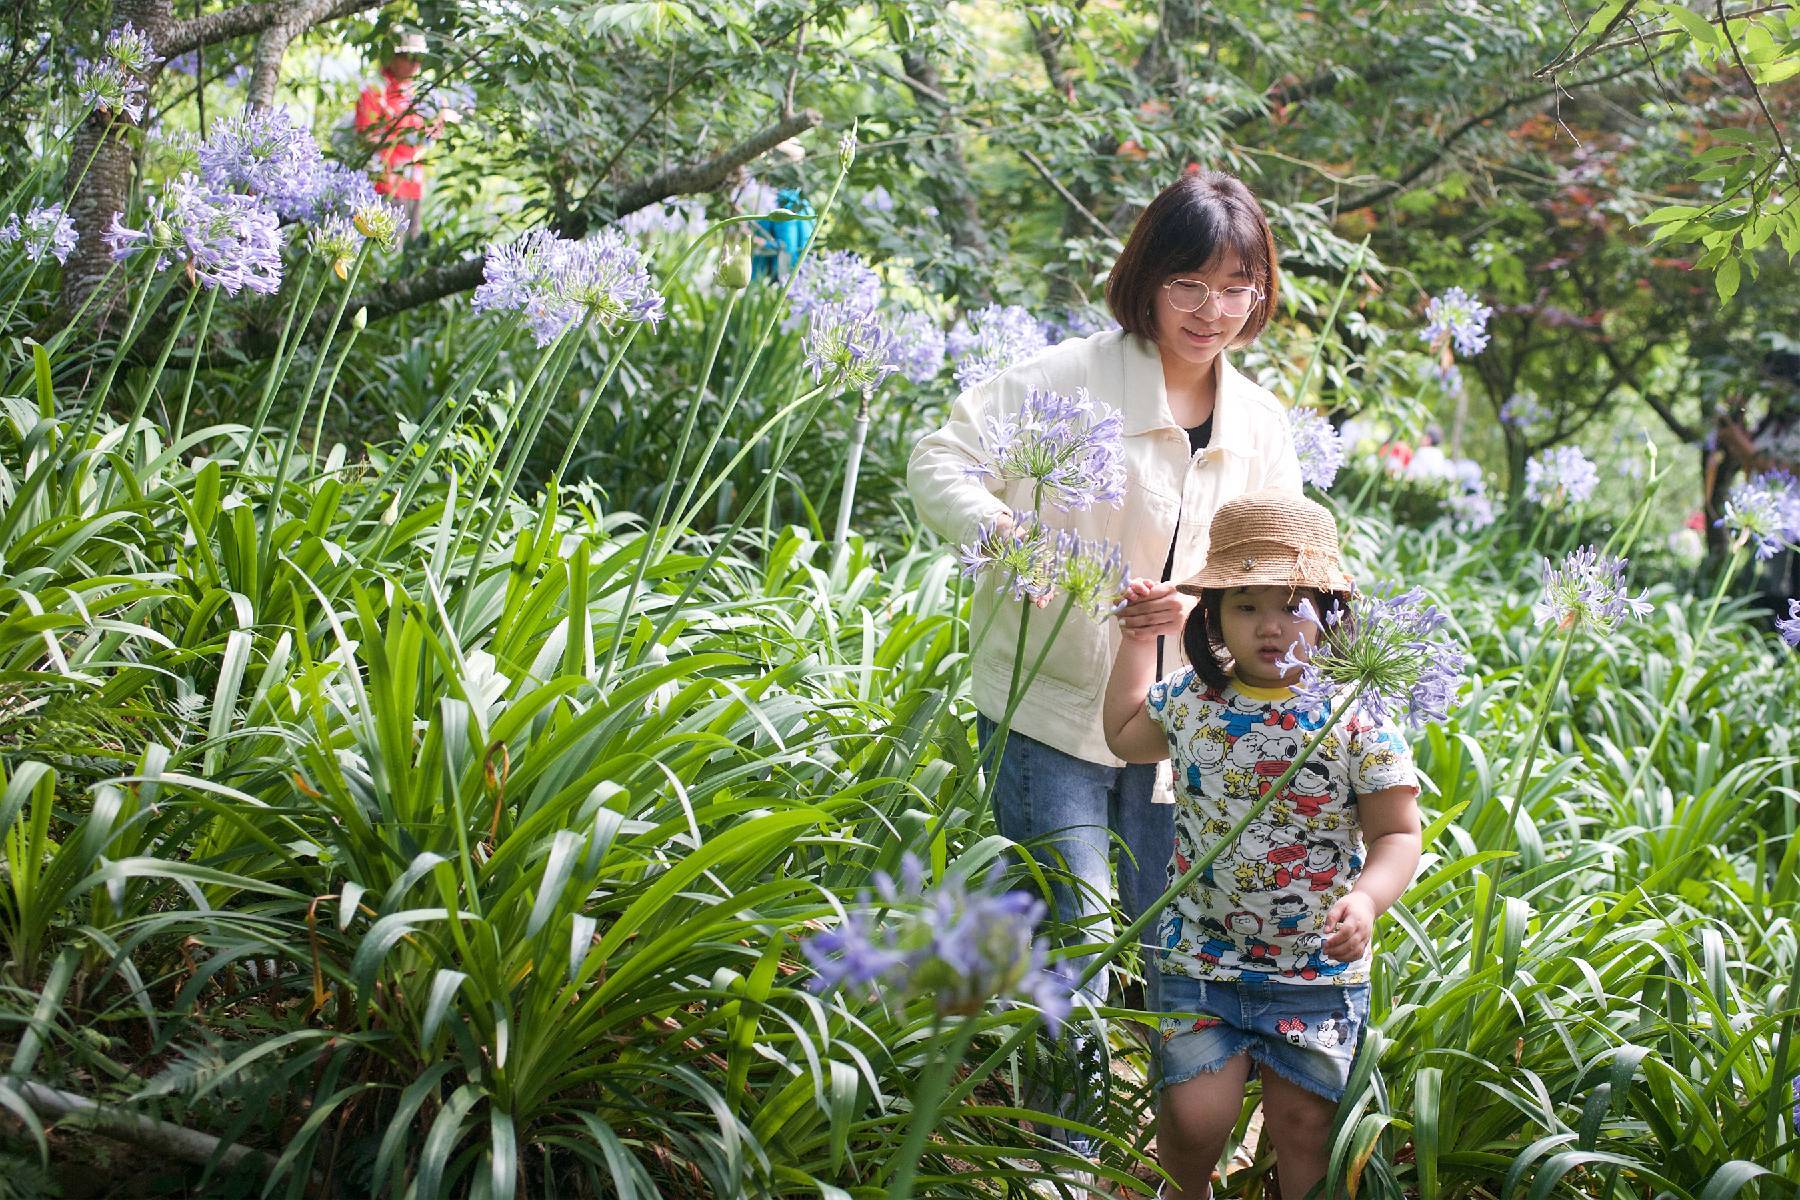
<point x="1203" y="637"/>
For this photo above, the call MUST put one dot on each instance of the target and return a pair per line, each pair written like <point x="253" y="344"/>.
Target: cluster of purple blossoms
<point x="832" y="279"/>
<point x="1789" y="629"/>
<point x="1560" y="476"/>
<point x="1091" y="572"/>
<point x="1392" y="650"/>
<point x="878" y="199"/>
<point x="850" y="346"/>
<point x="1471" y="509"/>
<point x="919" y="345"/>
<point x="1522" y="411"/>
<point x="1587" y="589"/>
<point x="1449" y="377"/>
<point x="554" y="282"/>
<point x="1016" y="550"/>
<point x="682" y="218"/>
<point x="115" y="82"/>
<point x="1077" y="322"/>
<point x="959" y="948"/>
<point x="987" y="342"/>
<point x="1454" y="319"/>
<point x="46" y="231"/>
<point x="225" y="240"/>
<point x="1071" y="448"/>
<point x="336" y="241"/>
<point x="1765" y="510"/>
<point x="265" y="153"/>
<point x="1317" y="445"/>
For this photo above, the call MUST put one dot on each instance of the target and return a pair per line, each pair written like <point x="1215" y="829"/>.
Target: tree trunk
<point x="98" y="182"/>
<point x="956" y="199"/>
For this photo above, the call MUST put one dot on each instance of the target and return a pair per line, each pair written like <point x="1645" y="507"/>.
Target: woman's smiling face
<point x="1197" y="337"/>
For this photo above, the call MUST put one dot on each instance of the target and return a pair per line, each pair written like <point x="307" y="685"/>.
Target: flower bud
<point x="734" y="258"/>
<point x="360" y="321"/>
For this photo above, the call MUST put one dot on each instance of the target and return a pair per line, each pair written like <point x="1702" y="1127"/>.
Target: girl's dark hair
<point x="1186" y="228"/>
<point x="1203" y="637"/>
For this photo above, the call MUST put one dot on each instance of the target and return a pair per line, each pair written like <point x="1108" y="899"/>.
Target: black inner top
<point x="1198" y="437"/>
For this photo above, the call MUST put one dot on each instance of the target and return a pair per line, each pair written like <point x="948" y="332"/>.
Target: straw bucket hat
<point x="1272" y="537"/>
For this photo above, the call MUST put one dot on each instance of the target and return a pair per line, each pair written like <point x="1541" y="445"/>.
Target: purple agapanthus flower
<point x="1560" y="476"/>
<point x="1077" y="322"/>
<point x="1089" y="572"/>
<point x="554" y="282"/>
<point x="44" y="232"/>
<point x="341" y="191"/>
<point x="103" y="87"/>
<point x="1789" y="629"/>
<point x="878" y="199"/>
<point x="919" y="343"/>
<point x="958" y="947"/>
<point x="1393" y="650"/>
<point x="1016" y="551"/>
<point x="225" y="240"/>
<point x="987" y="342"/>
<point x="1522" y="411"/>
<point x="832" y="279"/>
<point x="1764" y="510"/>
<point x="1587" y="589"/>
<point x="1471" y="510"/>
<point x="1070" y="447"/>
<point x="130" y="50"/>
<point x="265" y="152"/>
<point x="1448" y="375"/>
<point x="336" y="241"/>
<point x="849" y="346"/>
<point x="1317" y="445"/>
<point x="1457" y="319"/>
<point x="682" y="218"/>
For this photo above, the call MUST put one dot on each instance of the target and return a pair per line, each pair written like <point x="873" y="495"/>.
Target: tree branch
<point x="245" y="19"/>
<point x="401" y="294"/>
<point x="1382" y="191"/>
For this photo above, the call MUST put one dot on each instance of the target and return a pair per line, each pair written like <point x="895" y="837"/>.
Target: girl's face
<point x="1260" y="624"/>
<point x="1197" y="337"/>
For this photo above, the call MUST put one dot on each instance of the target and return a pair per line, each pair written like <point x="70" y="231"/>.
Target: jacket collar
<point x="1147" y="398"/>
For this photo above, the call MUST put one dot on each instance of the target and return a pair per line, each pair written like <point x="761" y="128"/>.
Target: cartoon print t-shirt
<point x="1259" y="910"/>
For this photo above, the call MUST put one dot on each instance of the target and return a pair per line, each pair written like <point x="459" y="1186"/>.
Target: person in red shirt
<point x="387" y="116"/>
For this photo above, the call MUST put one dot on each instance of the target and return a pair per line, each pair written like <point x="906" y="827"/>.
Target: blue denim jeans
<point x="1067" y="807"/>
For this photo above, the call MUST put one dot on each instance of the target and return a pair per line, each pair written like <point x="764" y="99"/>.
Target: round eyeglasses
<point x="1191" y="295"/>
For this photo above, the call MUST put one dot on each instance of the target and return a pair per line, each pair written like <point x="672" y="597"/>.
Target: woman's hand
<point x="1153" y="609"/>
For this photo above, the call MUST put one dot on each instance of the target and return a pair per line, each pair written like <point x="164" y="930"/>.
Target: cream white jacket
<point x="1250" y="449"/>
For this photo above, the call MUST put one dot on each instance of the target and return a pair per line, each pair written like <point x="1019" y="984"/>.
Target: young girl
<point x="1265" y="956"/>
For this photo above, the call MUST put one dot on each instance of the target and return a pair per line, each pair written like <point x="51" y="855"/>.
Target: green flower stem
<point x="1678" y="684"/>
<point x="187" y="386"/>
<point x="149" y="388"/>
<point x="1128" y="935"/>
<point x="1537" y="528"/>
<point x="818" y="397"/>
<point x="1337" y="306"/>
<point x="90" y="415"/>
<point x="564" y="349"/>
<point x="859" y="437"/>
<point x="667" y="491"/>
<point x="287" y="345"/>
<point x="928" y="1101"/>
<point x="337" y="369"/>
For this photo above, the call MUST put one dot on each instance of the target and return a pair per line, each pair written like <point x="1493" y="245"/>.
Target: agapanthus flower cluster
<point x="1456" y="320"/>
<point x="959" y="948"/>
<point x="1522" y="410"/>
<point x="919" y="345"/>
<point x="1071" y="447"/>
<point x="555" y="282"/>
<point x="1449" y="376"/>
<point x="1587" y="589"/>
<point x="1470" y="511"/>
<point x="851" y="346"/>
<point x="684" y="218"/>
<point x="1015" y="550"/>
<point x="44" y="232"/>
<point x="878" y="199"/>
<point x="336" y="242"/>
<point x="1764" y="510"/>
<point x="1393" y="649"/>
<point x="1317" y="446"/>
<point x="1089" y="572"/>
<point x="1078" y="322"/>
<point x="1560" y="476"/>
<point x="225" y="240"/>
<point x="754" y="196"/>
<point x="1789" y="628"/>
<point x="835" y="279"/>
<point x="987" y="342"/>
<point x="380" y="221"/>
<point x="115" y="82"/>
<point x="264" y="152"/>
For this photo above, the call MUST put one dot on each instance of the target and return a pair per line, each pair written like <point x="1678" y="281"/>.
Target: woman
<point x="1197" y="277"/>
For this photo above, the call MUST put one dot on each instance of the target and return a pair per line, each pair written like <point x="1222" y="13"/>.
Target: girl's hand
<point x="1349" y="926"/>
<point x="1154" y="609"/>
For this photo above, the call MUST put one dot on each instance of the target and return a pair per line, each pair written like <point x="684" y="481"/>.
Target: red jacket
<point x="386" y="116"/>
